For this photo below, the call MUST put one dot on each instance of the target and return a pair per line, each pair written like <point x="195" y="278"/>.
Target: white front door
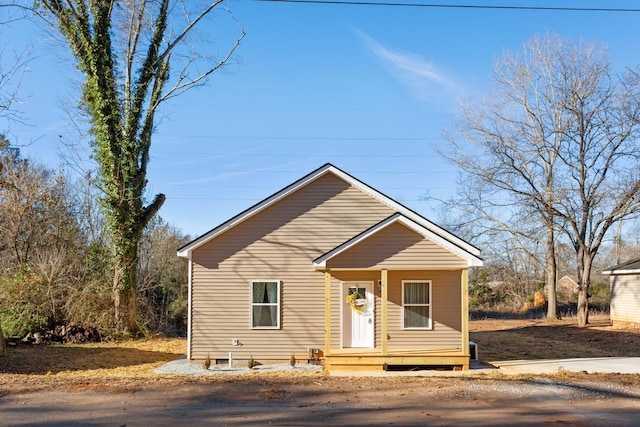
<point x="357" y="317"/>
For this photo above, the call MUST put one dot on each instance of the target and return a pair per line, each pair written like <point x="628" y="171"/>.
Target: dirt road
<point x="338" y="401"/>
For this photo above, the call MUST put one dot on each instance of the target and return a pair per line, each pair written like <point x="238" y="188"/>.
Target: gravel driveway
<point x="321" y="400"/>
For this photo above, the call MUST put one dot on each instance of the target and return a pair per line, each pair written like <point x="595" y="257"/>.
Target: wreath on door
<point x="356" y="301"/>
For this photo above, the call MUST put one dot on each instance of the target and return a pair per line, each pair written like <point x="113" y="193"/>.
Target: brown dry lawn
<point x="527" y="339"/>
<point x="128" y="366"/>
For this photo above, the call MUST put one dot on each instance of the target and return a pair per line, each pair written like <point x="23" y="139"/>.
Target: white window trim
<point x="428" y="328"/>
<point x="251" y="303"/>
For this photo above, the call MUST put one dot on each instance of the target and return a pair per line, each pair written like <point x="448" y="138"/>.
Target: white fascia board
<point x="189" y="306"/>
<point x="321" y="262"/>
<point x="614" y="272"/>
<point x="472" y="259"/>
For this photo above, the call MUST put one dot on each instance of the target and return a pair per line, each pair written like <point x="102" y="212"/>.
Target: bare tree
<point x="10" y="77"/>
<point x="133" y="55"/>
<point x="553" y="146"/>
<point x="13" y="64"/>
<point x="507" y="149"/>
<point x="23" y="197"/>
<point x="599" y="180"/>
<point x="162" y="278"/>
<point x="41" y="245"/>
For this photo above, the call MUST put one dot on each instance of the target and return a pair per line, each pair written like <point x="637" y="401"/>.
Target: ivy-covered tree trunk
<point x="125" y="81"/>
<point x="125" y="284"/>
<point x="121" y="126"/>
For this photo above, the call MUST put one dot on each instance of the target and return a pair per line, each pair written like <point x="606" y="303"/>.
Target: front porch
<point x="428" y="347"/>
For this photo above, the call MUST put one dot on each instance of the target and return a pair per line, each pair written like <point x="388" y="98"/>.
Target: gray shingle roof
<point x="631" y="266"/>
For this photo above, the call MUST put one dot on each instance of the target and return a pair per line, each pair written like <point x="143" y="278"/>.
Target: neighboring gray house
<point x="624" y="281"/>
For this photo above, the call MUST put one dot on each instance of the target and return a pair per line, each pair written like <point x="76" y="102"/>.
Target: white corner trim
<point x="189" y="307"/>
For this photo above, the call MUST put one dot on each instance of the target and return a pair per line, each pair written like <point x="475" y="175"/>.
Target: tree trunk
<point x="583" y="306"/>
<point x="551" y="270"/>
<point x="585" y="259"/>
<point x="3" y="343"/>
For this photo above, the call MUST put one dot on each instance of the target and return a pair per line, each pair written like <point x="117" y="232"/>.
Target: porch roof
<point x="466" y="252"/>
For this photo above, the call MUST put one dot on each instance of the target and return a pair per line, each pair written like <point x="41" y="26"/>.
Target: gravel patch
<point x="182" y="366"/>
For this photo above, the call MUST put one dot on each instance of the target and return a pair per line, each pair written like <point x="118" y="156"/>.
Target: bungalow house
<point x="624" y="283"/>
<point x="332" y="270"/>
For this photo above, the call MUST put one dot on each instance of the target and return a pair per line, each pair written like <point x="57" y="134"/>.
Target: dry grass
<point x="118" y="365"/>
<point x="104" y="360"/>
<point x="526" y="339"/>
<point x="128" y="366"/>
<point x="115" y="367"/>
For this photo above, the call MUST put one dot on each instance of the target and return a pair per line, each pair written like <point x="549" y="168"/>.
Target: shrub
<point x="24" y="304"/>
<point x="19" y="320"/>
<point x="91" y="306"/>
<point x="251" y="362"/>
<point x="538" y="299"/>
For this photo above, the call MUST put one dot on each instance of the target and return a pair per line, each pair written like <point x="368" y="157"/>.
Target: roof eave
<point x="614" y="272"/>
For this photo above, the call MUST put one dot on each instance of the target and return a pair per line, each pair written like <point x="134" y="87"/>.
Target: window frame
<point x="278" y="303"/>
<point x="430" y="304"/>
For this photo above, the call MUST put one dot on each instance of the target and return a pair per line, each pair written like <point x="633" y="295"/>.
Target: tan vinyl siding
<point x="445" y="334"/>
<point x="278" y="243"/>
<point x="625" y="298"/>
<point x="445" y="311"/>
<point x="396" y="247"/>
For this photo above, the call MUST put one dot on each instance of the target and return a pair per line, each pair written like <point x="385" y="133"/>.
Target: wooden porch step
<point x="378" y="362"/>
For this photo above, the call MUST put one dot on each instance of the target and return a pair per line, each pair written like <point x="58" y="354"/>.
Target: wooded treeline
<point x="104" y="260"/>
<point x="56" y="263"/>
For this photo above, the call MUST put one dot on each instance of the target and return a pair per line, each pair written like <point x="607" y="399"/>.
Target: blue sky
<point x="369" y="89"/>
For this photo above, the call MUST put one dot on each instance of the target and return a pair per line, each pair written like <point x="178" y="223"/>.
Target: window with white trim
<point x="265" y="304"/>
<point x="416" y="304"/>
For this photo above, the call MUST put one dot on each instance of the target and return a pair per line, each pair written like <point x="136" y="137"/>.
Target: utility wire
<point x="455" y="6"/>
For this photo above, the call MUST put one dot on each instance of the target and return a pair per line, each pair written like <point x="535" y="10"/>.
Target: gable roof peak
<point x="312" y="176"/>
